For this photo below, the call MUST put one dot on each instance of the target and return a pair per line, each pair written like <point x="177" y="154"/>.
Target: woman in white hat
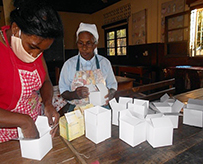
<point x="86" y="68"/>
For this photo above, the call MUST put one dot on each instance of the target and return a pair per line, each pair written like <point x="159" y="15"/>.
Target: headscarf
<point x="91" y="28"/>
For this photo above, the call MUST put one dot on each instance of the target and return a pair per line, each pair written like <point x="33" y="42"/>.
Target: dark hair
<point x="37" y="17"/>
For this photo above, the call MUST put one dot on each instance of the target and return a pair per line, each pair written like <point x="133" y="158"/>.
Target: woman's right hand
<point x="29" y="128"/>
<point x="82" y="92"/>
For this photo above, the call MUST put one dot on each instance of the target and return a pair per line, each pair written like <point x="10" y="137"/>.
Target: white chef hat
<point x="91" y="28"/>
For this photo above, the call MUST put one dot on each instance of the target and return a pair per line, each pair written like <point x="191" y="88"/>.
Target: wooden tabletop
<point x="10" y="153"/>
<point x="187" y="147"/>
<point x="194" y="94"/>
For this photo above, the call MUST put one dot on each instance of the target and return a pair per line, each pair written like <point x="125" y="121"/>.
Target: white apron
<point x="86" y="77"/>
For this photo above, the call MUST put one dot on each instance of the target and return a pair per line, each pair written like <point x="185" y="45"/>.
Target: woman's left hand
<point x="110" y="95"/>
<point x="51" y="112"/>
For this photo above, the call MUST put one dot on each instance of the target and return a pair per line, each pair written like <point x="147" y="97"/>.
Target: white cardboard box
<point x="125" y="100"/>
<point x="174" y="119"/>
<point x="141" y="102"/>
<point x="195" y="104"/>
<point x="116" y="108"/>
<point x="159" y="131"/>
<point x="97" y="124"/>
<point x="37" y="148"/>
<point x="132" y="130"/>
<point x="165" y="97"/>
<point x="165" y="107"/>
<point x="96" y="97"/>
<point x="193" y="117"/>
<point x="139" y="108"/>
<point x="170" y="111"/>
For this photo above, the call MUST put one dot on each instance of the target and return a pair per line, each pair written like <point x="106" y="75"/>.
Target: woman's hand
<point x="29" y="128"/>
<point x="110" y="95"/>
<point x="51" y="112"/>
<point x="82" y="92"/>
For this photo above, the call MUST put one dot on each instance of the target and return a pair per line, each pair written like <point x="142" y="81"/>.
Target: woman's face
<point x="32" y="44"/>
<point x="86" y="45"/>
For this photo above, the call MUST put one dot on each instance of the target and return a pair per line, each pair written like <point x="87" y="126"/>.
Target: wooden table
<point x="194" y="94"/>
<point x="10" y="153"/>
<point x="187" y="147"/>
<point x="124" y="82"/>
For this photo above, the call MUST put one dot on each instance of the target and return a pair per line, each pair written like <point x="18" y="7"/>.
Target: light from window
<point x="196" y="32"/>
<point x="111" y="43"/>
<point x="117" y="42"/>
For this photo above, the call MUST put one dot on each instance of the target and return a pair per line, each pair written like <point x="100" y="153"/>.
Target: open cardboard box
<point x="71" y="126"/>
<point x="193" y="113"/>
<point x="116" y="108"/>
<point x="125" y="100"/>
<point x="132" y="130"/>
<point x="171" y="111"/>
<point x="97" y="124"/>
<point x="37" y="148"/>
<point x="97" y="94"/>
<point x="168" y="99"/>
<point x="139" y="108"/>
<point x="159" y="130"/>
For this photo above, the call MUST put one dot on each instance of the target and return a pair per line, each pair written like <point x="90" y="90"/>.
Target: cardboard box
<point x="166" y="98"/>
<point x="97" y="124"/>
<point x="170" y="111"/>
<point x="139" y="108"/>
<point x="193" y="117"/>
<point x="71" y="126"/>
<point x="193" y="113"/>
<point x="37" y="148"/>
<point x="132" y="130"/>
<point x="195" y="104"/>
<point x="165" y="107"/>
<point x="97" y="94"/>
<point x="159" y="131"/>
<point x="141" y="102"/>
<point x="116" y="108"/>
<point x="125" y="100"/>
<point x="174" y="119"/>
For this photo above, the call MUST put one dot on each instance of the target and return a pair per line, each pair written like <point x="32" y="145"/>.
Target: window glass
<point x="121" y="51"/>
<point x="121" y="42"/>
<point x="196" y="32"/>
<point x="121" y="33"/>
<point x="111" y="43"/>
<point x="111" y="35"/>
<point x="111" y="51"/>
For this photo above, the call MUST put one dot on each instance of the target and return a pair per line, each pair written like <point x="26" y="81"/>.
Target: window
<point x="116" y="41"/>
<point x="196" y="32"/>
<point x="177" y="34"/>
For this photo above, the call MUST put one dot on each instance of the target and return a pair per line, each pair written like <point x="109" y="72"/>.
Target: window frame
<point x="168" y="46"/>
<point x="115" y="29"/>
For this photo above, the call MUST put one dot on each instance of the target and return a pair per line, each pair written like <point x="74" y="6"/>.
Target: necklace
<point x="3" y="36"/>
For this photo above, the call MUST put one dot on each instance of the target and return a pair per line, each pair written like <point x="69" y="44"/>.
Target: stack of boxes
<point x="138" y="124"/>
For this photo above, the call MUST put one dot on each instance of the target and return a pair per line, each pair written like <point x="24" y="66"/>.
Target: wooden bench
<point x="150" y="91"/>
